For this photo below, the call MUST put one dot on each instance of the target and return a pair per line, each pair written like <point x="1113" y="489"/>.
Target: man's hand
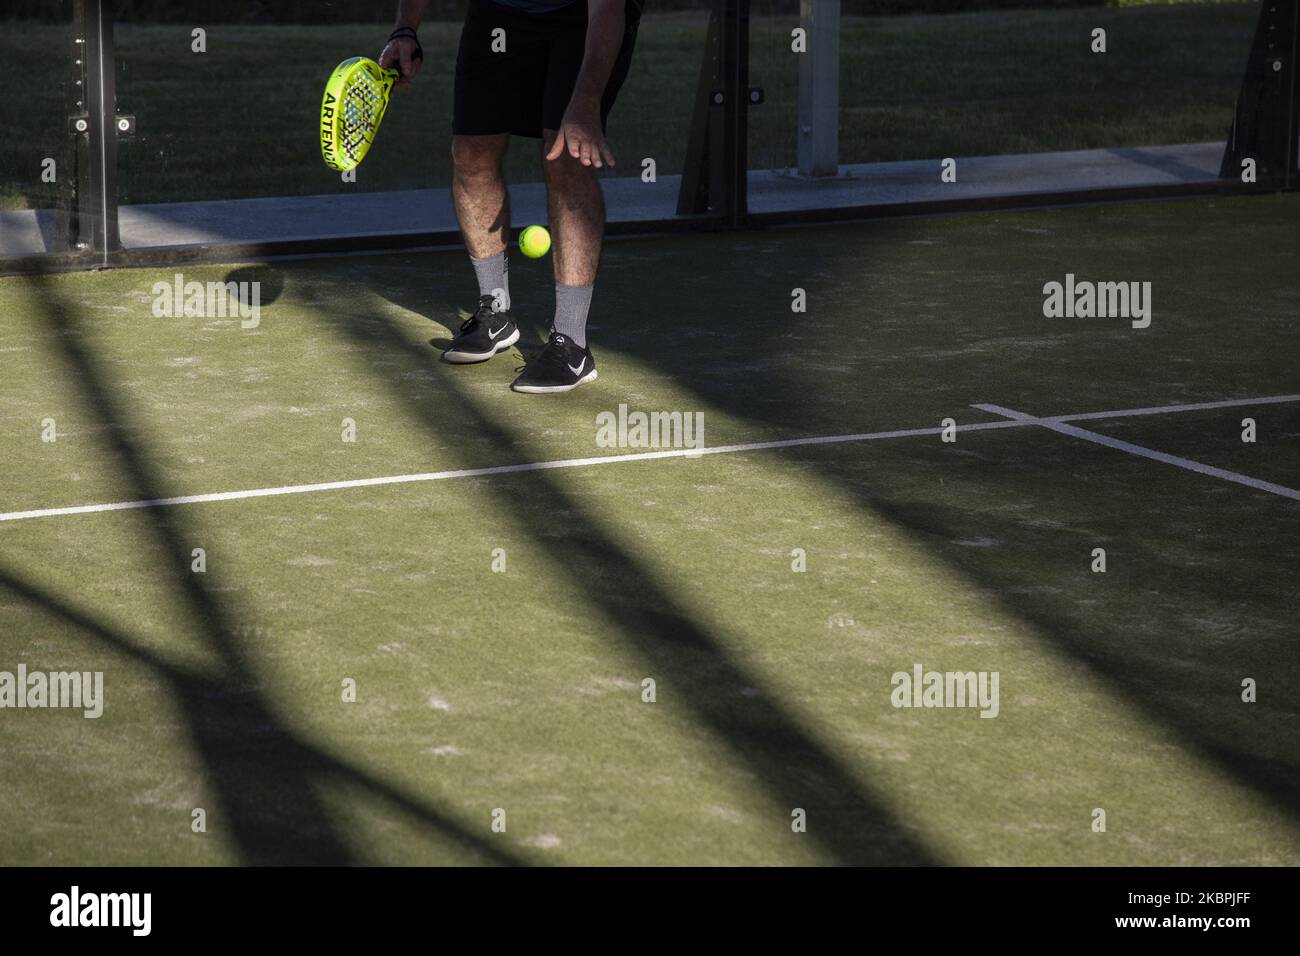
<point x="401" y="51"/>
<point x="581" y="135"/>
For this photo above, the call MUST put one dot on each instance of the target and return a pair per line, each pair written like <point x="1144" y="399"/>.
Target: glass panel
<point x="651" y="119"/>
<point x="36" y="154"/>
<point x="239" y="121"/>
<point x="1027" y="81"/>
<point x="1005" y="83"/>
<point x="774" y="67"/>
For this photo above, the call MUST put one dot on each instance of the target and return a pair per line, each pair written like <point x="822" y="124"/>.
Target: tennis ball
<point x="535" y="242"/>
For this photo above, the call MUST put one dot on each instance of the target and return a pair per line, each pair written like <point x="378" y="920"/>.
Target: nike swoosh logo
<point x="578" y="370"/>
<point x="493" y="335"/>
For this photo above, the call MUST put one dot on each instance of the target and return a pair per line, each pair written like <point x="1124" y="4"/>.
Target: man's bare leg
<point x="577" y="213"/>
<point x="478" y="190"/>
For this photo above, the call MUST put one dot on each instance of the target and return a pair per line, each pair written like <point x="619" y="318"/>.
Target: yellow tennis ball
<point x="535" y="242"/>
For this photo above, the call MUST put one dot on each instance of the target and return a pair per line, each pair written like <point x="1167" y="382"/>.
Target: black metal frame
<point x="1266" y="126"/>
<point x="715" y="178"/>
<point x="88" y="220"/>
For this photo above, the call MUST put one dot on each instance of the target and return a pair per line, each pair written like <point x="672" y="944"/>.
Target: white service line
<point x="1010" y="422"/>
<point x="1057" y="425"/>
<point x="1165" y="409"/>
<point x="481" y="472"/>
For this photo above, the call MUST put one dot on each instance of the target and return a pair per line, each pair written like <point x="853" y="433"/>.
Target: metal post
<point x="819" y="89"/>
<point x="714" y="179"/>
<point x="737" y="204"/>
<point x="1266" y="124"/>
<point x="693" y="196"/>
<point x="71" y="185"/>
<point x="92" y="222"/>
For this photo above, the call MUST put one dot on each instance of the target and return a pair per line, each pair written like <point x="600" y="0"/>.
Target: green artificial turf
<point x="240" y="119"/>
<point x="522" y="690"/>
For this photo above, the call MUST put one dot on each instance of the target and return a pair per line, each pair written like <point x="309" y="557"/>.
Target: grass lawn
<point x="240" y="120"/>
<point x="522" y="690"/>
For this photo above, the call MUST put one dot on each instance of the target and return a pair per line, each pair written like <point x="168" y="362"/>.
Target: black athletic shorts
<point x="527" y="88"/>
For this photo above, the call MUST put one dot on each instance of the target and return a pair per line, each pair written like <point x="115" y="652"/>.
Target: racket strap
<point x="408" y="33"/>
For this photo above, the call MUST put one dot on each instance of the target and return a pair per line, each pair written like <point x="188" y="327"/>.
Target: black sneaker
<point x="561" y="366"/>
<point x="482" y="335"/>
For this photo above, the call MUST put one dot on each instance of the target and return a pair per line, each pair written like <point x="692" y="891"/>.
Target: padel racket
<point x="355" y="100"/>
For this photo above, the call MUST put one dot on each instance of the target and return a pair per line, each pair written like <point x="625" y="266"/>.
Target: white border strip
<point x="1166" y="409"/>
<point x="482" y="472"/>
<point x="1014" y="420"/>
<point x="1057" y="425"/>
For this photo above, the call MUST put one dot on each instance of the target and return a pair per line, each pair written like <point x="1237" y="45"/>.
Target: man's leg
<point x="577" y="213"/>
<point x="478" y="190"/>
<point x="574" y="201"/>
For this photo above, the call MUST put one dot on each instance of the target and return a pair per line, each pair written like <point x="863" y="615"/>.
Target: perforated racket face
<point x="355" y="100"/>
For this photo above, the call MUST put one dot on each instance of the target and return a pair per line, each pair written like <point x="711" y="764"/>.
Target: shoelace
<point x="552" y="357"/>
<point x="485" y="303"/>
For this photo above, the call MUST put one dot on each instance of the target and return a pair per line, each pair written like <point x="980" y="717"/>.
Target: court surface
<point x="522" y="690"/>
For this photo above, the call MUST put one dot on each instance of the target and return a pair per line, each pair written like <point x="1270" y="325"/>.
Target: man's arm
<point x="581" y="133"/>
<point x="409" y="15"/>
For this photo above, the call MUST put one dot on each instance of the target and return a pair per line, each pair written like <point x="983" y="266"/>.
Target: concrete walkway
<point x="884" y="188"/>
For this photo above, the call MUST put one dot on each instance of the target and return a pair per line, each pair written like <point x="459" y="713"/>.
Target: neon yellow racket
<point x="355" y="100"/>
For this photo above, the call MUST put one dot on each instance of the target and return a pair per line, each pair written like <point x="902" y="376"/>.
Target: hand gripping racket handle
<point x="406" y="33"/>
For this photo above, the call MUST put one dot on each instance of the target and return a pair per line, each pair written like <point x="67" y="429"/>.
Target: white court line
<point x="481" y="472"/>
<point x="604" y="460"/>
<point x="1165" y="409"/>
<point x="1056" y="425"/>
